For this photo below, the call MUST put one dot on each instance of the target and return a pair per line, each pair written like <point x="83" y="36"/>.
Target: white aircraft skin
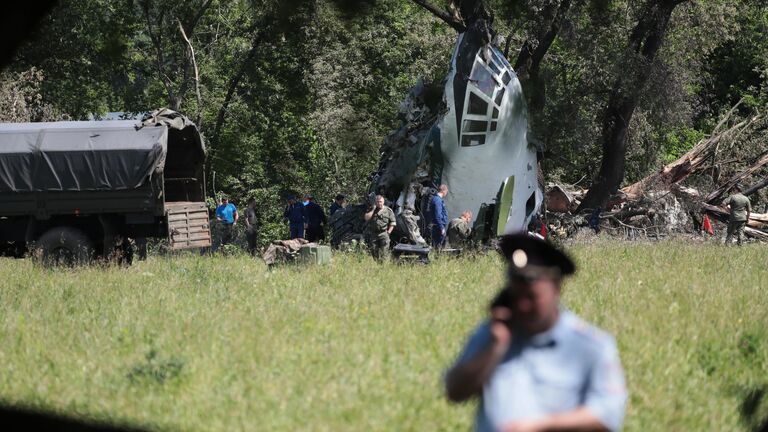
<point x="475" y="171"/>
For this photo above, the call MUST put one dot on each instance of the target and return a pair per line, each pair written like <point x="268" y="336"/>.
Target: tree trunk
<point x="532" y="53"/>
<point x="235" y="82"/>
<point x="643" y="46"/>
<point x="462" y="12"/>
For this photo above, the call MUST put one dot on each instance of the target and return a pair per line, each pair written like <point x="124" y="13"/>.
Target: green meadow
<point x="223" y="343"/>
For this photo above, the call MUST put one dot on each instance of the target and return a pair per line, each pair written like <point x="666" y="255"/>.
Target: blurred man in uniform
<point x="740" y="209"/>
<point x="337" y="205"/>
<point x="459" y="230"/>
<point x="439" y="217"/>
<point x="316" y="220"/>
<point x="533" y="364"/>
<point x="251" y="223"/>
<point x="295" y="214"/>
<point x="226" y="214"/>
<point x="380" y="223"/>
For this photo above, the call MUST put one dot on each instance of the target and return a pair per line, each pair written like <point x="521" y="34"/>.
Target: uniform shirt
<point x="439" y="213"/>
<point x="458" y="232"/>
<point x="250" y="216"/>
<point x="226" y="212"/>
<point x="739" y="206"/>
<point x="569" y="366"/>
<point x="295" y="213"/>
<point x="315" y="214"/>
<point x="381" y="220"/>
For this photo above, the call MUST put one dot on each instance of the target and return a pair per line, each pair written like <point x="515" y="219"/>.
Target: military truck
<point x="71" y="192"/>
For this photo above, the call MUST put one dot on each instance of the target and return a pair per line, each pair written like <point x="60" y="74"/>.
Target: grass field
<point x="195" y="343"/>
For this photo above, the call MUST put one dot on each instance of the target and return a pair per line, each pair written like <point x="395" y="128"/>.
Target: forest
<point x="297" y="96"/>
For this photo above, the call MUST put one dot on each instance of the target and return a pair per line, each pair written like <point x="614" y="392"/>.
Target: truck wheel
<point x="64" y="246"/>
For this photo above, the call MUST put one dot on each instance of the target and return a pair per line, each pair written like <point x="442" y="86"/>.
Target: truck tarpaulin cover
<point x="80" y="156"/>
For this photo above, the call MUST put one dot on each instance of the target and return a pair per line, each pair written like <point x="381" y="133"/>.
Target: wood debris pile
<point x="661" y="205"/>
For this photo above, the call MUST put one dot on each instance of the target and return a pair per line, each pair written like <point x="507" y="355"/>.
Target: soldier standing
<point x="459" y="230"/>
<point x="534" y="365"/>
<point x="741" y="209"/>
<point x="380" y="223"/>
<point x="251" y="235"/>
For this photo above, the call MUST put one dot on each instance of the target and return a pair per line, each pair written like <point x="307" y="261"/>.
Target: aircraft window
<point x="477" y="105"/>
<point x="474" y="126"/>
<point x="493" y="126"/>
<point x="506" y="78"/>
<point x="501" y="58"/>
<point x="472" y="140"/>
<point x="495" y="112"/>
<point x="500" y="96"/>
<point x="496" y="69"/>
<point x="483" y="79"/>
<point x="530" y="205"/>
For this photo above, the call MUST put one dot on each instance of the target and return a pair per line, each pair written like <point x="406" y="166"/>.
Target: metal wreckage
<point x="469" y="132"/>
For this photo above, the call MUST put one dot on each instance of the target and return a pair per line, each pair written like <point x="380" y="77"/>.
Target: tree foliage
<point x="296" y="96"/>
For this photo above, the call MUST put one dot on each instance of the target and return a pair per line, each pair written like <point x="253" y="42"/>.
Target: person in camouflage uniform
<point x="380" y="223"/>
<point x="741" y="209"/>
<point x="459" y="230"/>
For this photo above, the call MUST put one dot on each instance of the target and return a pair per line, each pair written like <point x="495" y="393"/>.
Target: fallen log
<point x="695" y="160"/>
<point x="756" y="220"/>
<point x="627" y="213"/>
<point x="733" y="181"/>
<point x="762" y="235"/>
<point x="756" y="187"/>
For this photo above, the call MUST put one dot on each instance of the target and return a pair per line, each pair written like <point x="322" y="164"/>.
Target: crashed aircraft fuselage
<point x="484" y="137"/>
<point x="470" y="133"/>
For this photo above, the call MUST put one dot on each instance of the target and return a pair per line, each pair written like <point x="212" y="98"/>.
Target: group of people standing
<point x="227" y="217"/>
<point x="381" y="221"/>
<point x="307" y="219"/>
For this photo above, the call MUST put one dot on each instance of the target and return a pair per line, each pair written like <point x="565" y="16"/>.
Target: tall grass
<point x="198" y="343"/>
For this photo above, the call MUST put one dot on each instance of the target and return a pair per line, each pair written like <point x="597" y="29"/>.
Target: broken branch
<point x="691" y="162"/>
<point x="199" y="118"/>
<point x="717" y="193"/>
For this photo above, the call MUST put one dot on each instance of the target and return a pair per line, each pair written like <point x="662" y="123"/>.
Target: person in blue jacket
<point x="226" y="215"/>
<point x="337" y="205"/>
<point x="439" y="217"/>
<point x="296" y="216"/>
